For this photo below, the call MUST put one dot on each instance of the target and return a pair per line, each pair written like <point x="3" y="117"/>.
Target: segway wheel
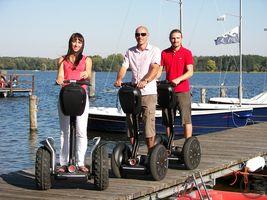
<point x="119" y="156"/>
<point x="191" y="153"/>
<point x="158" y="162"/>
<point x="100" y="167"/>
<point x="43" y="177"/>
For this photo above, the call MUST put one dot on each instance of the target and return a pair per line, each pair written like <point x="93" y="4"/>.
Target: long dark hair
<point x="78" y="55"/>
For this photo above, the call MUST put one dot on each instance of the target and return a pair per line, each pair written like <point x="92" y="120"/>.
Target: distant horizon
<point x="123" y="54"/>
<point x="36" y="28"/>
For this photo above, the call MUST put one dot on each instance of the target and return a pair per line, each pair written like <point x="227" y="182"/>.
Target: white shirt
<point x="139" y="62"/>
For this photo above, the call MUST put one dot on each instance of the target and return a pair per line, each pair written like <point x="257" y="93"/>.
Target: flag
<point x="229" y="37"/>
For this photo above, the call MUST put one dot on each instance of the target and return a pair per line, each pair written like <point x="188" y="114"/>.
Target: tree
<point x="114" y="61"/>
<point x="211" y="65"/>
<point x="97" y="62"/>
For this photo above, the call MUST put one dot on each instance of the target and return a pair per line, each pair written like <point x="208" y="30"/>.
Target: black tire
<point x="43" y="177"/>
<point x="100" y="167"/>
<point x="158" y="162"/>
<point x="119" y="156"/>
<point x="191" y="153"/>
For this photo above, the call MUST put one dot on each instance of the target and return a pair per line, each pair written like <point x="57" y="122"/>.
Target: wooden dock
<point x="222" y="152"/>
<point x="18" y="83"/>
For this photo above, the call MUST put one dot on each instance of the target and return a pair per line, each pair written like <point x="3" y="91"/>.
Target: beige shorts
<point x="147" y="116"/>
<point x="183" y="104"/>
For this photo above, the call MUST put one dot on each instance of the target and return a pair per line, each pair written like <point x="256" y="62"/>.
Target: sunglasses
<point x="140" y="34"/>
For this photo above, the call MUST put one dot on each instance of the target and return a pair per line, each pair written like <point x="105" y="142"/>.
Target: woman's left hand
<point x="84" y="75"/>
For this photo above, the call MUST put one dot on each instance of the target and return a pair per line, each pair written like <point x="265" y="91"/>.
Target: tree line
<point x="251" y="63"/>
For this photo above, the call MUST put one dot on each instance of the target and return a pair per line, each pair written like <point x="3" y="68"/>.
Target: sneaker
<point x="83" y="169"/>
<point x="62" y="169"/>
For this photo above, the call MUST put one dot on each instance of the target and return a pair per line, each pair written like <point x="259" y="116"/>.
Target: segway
<point x="126" y="159"/>
<point x="72" y="102"/>
<point x="190" y="153"/>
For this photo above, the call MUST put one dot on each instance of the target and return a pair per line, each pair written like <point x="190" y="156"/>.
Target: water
<point x="18" y="145"/>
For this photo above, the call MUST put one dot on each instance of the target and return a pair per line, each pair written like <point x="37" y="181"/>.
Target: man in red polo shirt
<point x="178" y="64"/>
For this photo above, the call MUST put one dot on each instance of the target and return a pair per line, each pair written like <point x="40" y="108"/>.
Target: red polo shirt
<point x="175" y="63"/>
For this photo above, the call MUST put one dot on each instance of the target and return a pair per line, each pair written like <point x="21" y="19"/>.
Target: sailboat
<point x="258" y="102"/>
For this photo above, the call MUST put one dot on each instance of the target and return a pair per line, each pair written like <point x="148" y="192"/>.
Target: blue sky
<point x="41" y="28"/>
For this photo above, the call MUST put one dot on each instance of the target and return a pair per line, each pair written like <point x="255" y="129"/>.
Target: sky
<point x="41" y="28"/>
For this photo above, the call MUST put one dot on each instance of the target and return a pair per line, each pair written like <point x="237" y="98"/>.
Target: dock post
<point x="92" y="86"/>
<point x="203" y="93"/>
<point x="33" y="112"/>
<point x="222" y="91"/>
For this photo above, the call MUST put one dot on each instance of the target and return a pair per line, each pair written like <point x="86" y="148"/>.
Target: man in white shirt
<point x="144" y="62"/>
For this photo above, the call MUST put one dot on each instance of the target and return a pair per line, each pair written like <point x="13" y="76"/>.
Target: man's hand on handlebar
<point x="117" y="83"/>
<point x="141" y="84"/>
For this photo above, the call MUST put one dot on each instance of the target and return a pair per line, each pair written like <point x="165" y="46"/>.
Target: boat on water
<point x="258" y="103"/>
<point x="260" y="99"/>
<point x="204" y="121"/>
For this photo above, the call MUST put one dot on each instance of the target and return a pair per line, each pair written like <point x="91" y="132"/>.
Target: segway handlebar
<point x="77" y="82"/>
<point x="128" y="84"/>
<point x="164" y="82"/>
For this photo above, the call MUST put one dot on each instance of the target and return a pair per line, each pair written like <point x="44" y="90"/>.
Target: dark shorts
<point x="183" y="105"/>
<point x="148" y="103"/>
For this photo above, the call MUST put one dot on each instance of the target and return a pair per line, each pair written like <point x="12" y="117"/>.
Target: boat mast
<point x="181" y="14"/>
<point x="240" y="89"/>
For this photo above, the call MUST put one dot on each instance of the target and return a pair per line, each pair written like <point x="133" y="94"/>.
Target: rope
<point x="248" y="119"/>
<point x="245" y="175"/>
<point x="196" y="24"/>
<point x="118" y="42"/>
<point x="235" y="173"/>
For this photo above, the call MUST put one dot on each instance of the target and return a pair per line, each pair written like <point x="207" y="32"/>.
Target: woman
<point x="74" y="66"/>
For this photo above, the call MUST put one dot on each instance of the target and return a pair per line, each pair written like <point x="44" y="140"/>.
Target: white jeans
<point x="81" y="135"/>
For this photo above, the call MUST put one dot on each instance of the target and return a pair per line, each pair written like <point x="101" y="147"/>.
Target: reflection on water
<point x="18" y="145"/>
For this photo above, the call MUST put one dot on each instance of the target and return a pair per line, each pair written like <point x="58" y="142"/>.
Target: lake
<point x="18" y="145"/>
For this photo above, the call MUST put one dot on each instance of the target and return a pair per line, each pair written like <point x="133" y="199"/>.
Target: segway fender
<point x="158" y="140"/>
<point x="117" y="153"/>
<point x="119" y="157"/>
<point x="48" y="144"/>
<point x="96" y="143"/>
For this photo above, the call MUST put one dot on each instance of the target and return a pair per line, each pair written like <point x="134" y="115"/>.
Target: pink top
<point x="73" y="73"/>
<point x="139" y="62"/>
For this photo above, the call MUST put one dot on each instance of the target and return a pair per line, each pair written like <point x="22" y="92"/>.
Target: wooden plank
<point x="219" y="151"/>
